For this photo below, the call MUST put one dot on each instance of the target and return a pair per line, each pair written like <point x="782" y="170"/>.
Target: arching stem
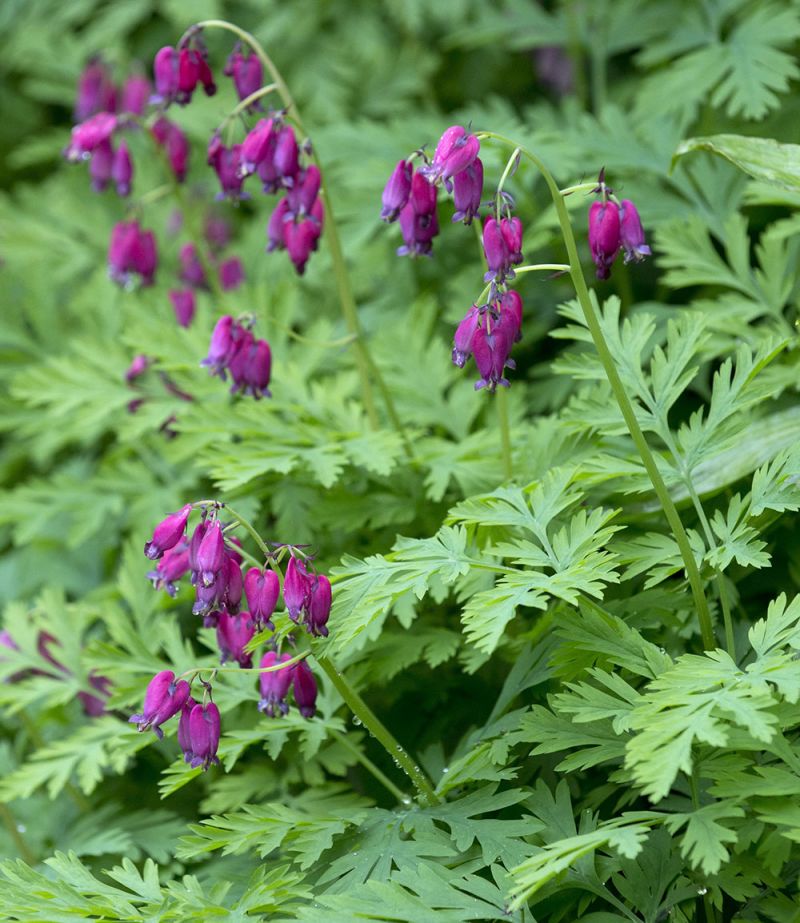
<point x="618" y="389"/>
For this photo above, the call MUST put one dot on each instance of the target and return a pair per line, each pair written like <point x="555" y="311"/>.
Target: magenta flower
<point x="305" y="689"/>
<point x="135" y="94"/>
<point x="168" y="533"/>
<point x="303" y="195"/>
<point x="165" y="74"/>
<point x="397" y="190"/>
<point x="184" y="736"/>
<point x="234" y="632"/>
<point x="121" y="169"/>
<point x="211" y="553"/>
<point x="276" y="226"/>
<point x="231" y="583"/>
<point x="511" y="229"/>
<point x="247" y="74"/>
<point x="467" y="191"/>
<point x="274" y="685"/>
<point x="604" y="236"/>
<point x="138" y="366"/>
<point x="96" y="91"/>
<point x="296" y="587"/>
<point x="101" y="166"/>
<point x="221" y="347"/>
<point x="493" y="341"/>
<point x="231" y="274"/>
<point x="456" y="150"/>
<point x="632" y="232"/>
<point x="419" y="222"/>
<point x="286" y="156"/>
<point x="204" y="735"/>
<point x="175" y="145"/>
<point x="262" y="588"/>
<point x="257" y="370"/>
<point x="464" y="336"/>
<point x="258" y="146"/>
<point x="95" y="705"/>
<point x="318" y="606"/>
<point x="226" y="162"/>
<point x="163" y="699"/>
<point x="192" y="271"/>
<point x="184" y="305"/>
<point x="131" y="251"/>
<point x="89" y="135"/>
<point x="496" y="251"/>
<point x="217" y="232"/>
<point x="171" y="567"/>
<point x="301" y="240"/>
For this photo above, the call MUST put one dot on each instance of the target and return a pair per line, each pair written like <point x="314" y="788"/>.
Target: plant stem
<point x="249" y="528"/>
<point x="364" y="361"/>
<point x="501" y="399"/>
<point x="16" y="835"/>
<point x="370" y="721"/>
<point x="367" y="763"/>
<point x="247" y="102"/>
<point x="625" y="406"/>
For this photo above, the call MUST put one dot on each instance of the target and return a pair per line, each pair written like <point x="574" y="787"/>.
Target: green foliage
<point x="529" y="639"/>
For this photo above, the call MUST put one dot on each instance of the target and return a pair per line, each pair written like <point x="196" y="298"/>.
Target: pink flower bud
<point x="397" y="190"/>
<point x="296" y="587"/>
<point x="135" y="94"/>
<point x="262" y="588"/>
<point x="604" y="236"/>
<point x="467" y="191"/>
<point x="122" y="169"/>
<point x="184" y="305"/>
<point x="204" y="735"/>
<point x="319" y="606"/>
<point x="465" y="334"/>
<point x="496" y="251"/>
<point x="101" y="166"/>
<point x="456" y="150"/>
<point x="231" y="274"/>
<point x="305" y="689"/>
<point x="164" y="698"/>
<point x="168" y="533"/>
<point x="274" y="685"/>
<point x="632" y="232"/>
<point x="211" y="553"/>
<point x="234" y="632"/>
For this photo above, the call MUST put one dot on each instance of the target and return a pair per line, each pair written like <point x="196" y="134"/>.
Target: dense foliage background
<point x="532" y="642"/>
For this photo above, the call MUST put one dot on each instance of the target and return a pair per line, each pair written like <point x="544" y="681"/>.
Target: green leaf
<point x="703" y="842"/>
<point x="764" y="159"/>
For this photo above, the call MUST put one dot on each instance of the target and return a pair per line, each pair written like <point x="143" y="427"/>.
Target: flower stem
<point x="371" y="722"/>
<point x="501" y="399"/>
<point x="625" y="406"/>
<point x="364" y="360"/>
<point x="367" y="763"/>
<point x="247" y="102"/>
<point x="249" y="528"/>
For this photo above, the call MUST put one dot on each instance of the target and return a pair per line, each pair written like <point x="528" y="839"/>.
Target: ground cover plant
<point x="400" y="461"/>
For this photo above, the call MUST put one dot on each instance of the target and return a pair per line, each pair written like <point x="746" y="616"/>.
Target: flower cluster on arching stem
<point x="211" y="556"/>
<point x="489" y="330"/>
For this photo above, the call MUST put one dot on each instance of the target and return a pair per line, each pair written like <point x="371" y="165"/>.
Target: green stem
<point x="371" y="722"/>
<point x="579" y="187"/>
<point x="284" y="665"/>
<point x="575" y="51"/>
<point x="511" y="163"/>
<point x="16" y="835"/>
<point x="247" y="102"/>
<point x="364" y="361"/>
<point x="501" y="399"/>
<point x="625" y="406"/>
<point x="249" y="528"/>
<point x="367" y="763"/>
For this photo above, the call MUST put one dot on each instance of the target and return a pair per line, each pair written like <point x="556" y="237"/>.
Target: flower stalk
<point x="618" y="389"/>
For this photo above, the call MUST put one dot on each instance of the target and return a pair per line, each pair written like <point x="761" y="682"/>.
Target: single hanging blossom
<point x="234" y="632"/>
<point x="173" y="564"/>
<point x="164" y="698"/>
<point x="131" y="251"/>
<point x="495" y="249"/>
<point x="456" y="150"/>
<point x="231" y="274"/>
<point x="96" y="91"/>
<point x="122" y="169"/>
<point x="175" y="144"/>
<point x="192" y="271"/>
<point x="168" y="533"/>
<point x="262" y="588"/>
<point x="247" y="73"/>
<point x="184" y="736"/>
<point x="101" y="166"/>
<point x="511" y="229"/>
<point x="397" y="190"/>
<point x="274" y="685"/>
<point x="138" y="367"/>
<point x="632" y="232"/>
<point x="419" y="222"/>
<point x="318" y="606"/>
<point x="465" y="335"/>
<point x="136" y="91"/>
<point x="305" y="689"/>
<point x="258" y="146"/>
<point x="89" y="135"/>
<point x="604" y="236"/>
<point x="296" y="588"/>
<point x="221" y="347"/>
<point x="204" y="735"/>
<point x="184" y="305"/>
<point x="467" y="191"/>
<point x="226" y="162"/>
<point x="210" y="554"/>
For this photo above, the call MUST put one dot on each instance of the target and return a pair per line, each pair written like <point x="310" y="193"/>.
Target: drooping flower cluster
<point x="411" y="196"/>
<point x="178" y="71"/>
<point x="233" y="349"/>
<point x="212" y="557"/>
<point x="614" y="226"/>
<point x="488" y="332"/>
<point x="244" y="66"/>
<point x="102" y="111"/>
